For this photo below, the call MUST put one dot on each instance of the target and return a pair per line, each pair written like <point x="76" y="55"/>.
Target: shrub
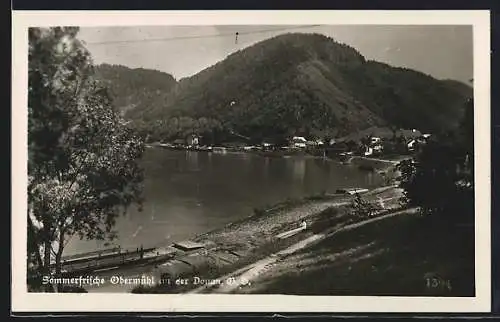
<point x="362" y="208"/>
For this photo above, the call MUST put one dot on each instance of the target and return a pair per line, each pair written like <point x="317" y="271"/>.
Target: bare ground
<point x="254" y="238"/>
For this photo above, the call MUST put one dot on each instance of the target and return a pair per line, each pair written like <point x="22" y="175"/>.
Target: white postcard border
<point x="22" y="301"/>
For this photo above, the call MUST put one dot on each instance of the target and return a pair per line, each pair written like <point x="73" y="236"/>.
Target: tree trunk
<point x="47" y="245"/>
<point x="34" y="256"/>
<point x="46" y="262"/>
<point x="58" y="269"/>
<point x="35" y="244"/>
<point x="58" y="259"/>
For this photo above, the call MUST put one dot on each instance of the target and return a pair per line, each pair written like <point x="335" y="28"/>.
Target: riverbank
<point x="252" y="274"/>
<point x="310" y="152"/>
<point x="249" y="240"/>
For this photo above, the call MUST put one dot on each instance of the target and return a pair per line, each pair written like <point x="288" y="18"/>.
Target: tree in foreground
<point x="440" y="179"/>
<point x="82" y="157"/>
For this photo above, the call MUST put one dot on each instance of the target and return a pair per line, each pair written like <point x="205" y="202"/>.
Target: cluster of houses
<point x="370" y="145"/>
<point x="301" y="143"/>
<point x="364" y="144"/>
<point x="375" y="145"/>
<point x="194" y="142"/>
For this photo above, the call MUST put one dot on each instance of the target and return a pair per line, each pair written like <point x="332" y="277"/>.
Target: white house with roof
<point x="319" y="142"/>
<point x="299" y="142"/>
<point x="415" y="142"/>
<point x="411" y="144"/>
<point x="192" y="140"/>
<point x="375" y="140"/>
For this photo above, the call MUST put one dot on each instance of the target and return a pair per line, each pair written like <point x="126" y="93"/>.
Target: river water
<point x="188" y="193"/>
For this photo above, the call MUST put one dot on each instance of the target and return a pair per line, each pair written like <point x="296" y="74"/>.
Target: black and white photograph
<point x="315" y="159"/>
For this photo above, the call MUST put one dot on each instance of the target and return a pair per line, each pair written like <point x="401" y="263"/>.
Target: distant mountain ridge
<point x="134" y="88"/>
<point x="292" y="84"/>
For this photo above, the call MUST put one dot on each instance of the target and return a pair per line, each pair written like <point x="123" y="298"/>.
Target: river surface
<point x="188" y="193"/>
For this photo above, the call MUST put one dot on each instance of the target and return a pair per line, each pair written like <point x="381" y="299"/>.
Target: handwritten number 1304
<point x="435" y="283"/>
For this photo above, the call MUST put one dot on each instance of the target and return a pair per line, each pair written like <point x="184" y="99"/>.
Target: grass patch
<point x="400" y="256"/>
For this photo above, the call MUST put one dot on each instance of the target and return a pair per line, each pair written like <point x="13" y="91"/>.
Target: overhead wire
<point x="166" y="39"/>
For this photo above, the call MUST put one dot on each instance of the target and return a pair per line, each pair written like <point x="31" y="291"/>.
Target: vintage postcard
<point x="263" y="161"/>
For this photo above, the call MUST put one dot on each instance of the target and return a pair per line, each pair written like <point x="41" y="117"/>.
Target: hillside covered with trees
<point x="134" y="88"/>
<point x="292" y="84"/>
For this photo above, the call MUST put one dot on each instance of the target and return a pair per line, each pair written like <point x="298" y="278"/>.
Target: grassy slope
<point x="390" y="257"/>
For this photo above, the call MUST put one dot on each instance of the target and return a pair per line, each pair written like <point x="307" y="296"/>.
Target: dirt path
<point x="246" y="275"/>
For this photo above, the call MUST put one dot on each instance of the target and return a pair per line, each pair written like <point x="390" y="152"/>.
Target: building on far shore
<point x="375" y="140"/>
<point x="419" y="141"/>
<point x="299" y="142"/>
<point x="193" y="140"/>
<point x="179" y="142"/>
<point x="269" y="144"/>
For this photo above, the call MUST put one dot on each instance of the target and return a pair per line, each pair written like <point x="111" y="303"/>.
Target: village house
<point x="192" y="140"/>
<point x="374" y="150"/>
<point x="374" y="146"/>
<point x="178" y="142"/>
<point x="299" y="142"/>
<point x="319" y="142"/>
<point x="269" y="144"/>
<point x="412" y="145"/>
<point x="375" y="140"/>
<point x="421" y="140"/>
<point x="377" y="149"/>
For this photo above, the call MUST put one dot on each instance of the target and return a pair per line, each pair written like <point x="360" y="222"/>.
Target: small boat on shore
<point x="351" y="191"/>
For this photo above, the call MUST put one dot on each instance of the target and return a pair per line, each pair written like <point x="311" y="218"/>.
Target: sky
<point x="444" y="52"/>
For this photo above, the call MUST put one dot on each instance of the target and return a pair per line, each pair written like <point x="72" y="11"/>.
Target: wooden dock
<point x="111" y="258"/>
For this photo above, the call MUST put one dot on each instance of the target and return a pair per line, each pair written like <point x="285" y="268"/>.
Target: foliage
<point x="300" y="84"/>
<point x="82" y="164"/>
<point x="406" y="98"/>
<point x="133" y="89"/>
<point x="179" y="127"/>
<point x="440" y="179"/>
<point x="362" y="208"/>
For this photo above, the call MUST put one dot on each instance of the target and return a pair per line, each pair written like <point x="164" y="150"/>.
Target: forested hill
<point x="134" y="88"/>
<point x="301" y="84"/>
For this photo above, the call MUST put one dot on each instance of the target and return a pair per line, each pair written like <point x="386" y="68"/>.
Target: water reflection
<point x="299" y="169"/>
<point x="192" y="160"/>
<point x="369" y="178"/>
<point x="266" y="167"/>
<point x="188" y="193"/>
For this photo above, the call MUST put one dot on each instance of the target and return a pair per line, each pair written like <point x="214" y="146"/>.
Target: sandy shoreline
<point x="249" y="240"/>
